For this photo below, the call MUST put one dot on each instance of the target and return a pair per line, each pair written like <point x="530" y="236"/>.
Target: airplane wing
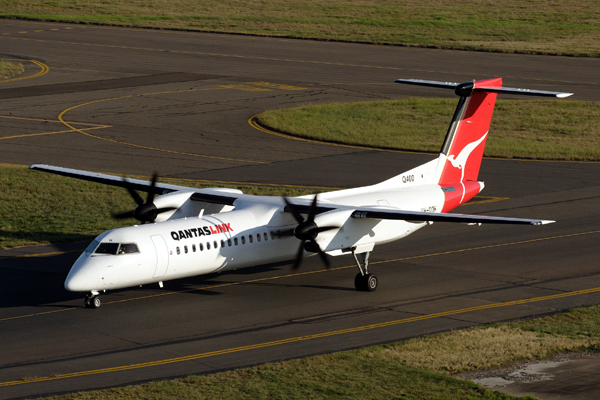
<point x="205" y="195"/>
<point x="226" y="198"/>
<point x="377" y="213"/>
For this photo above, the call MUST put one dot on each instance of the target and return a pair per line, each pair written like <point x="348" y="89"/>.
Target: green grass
<point x="418" y="368"/>
<point x="537" y="129"/>
<point x="533" y="26"/>
<point x="578" y="324"/>
<point x="10" y="69"/>
<point x="347" y="375"/>
<point x="38" y="208"/>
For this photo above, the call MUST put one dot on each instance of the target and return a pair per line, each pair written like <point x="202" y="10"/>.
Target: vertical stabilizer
<point x="461" y="154"/>
<point x="457" y="167"/>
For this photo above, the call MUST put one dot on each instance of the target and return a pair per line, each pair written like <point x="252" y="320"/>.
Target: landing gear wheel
<point x="365" y="283"/>
<point x="96" y="303"/>
<point x="92" y="301"/>
<point x="358" y="282"/>
<point x="371" y="282"/>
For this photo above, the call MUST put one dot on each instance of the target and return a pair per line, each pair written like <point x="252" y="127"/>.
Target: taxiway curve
<point x="134" y="101"/>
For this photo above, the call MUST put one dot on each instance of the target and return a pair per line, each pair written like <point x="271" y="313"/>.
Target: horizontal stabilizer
<point x="459" y="88"/>
<point x="435" y="217"/>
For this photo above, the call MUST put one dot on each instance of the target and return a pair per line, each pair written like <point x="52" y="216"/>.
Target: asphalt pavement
<point x="135" y="101"/>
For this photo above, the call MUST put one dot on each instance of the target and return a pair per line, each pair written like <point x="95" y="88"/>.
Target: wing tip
<point x="543" y="222"/>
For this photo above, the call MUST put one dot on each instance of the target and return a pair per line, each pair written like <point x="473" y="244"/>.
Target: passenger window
<point x="215" y="243"/>
<point x="185" y="249"/>
<point x="194" y="248"/>
<point x="243" y="239"/>
<point x="266" y="236"/>
<point x="250" y="238"/>
<point x="229" y="242"/>
<point x="272" y="236"/>
<point x="258" y="237"/>
<point x="178" y="251"/>
<point x="207" y="245"/>
<point x="201" y="247"/>
<point x="235" y="241"/>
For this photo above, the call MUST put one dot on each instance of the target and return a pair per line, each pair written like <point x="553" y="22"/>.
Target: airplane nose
<point x="82" y="279"/>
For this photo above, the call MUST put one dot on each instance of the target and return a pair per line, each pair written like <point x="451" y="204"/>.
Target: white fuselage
<point x="248" y="235"/>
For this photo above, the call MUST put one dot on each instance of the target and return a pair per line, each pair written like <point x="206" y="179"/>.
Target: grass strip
<point x="10" y="69"/>
<point x="530" y="129"/>
<point x="419" y="368"/>
<point x="39" y="208"/>
<point x="537" y="26"/>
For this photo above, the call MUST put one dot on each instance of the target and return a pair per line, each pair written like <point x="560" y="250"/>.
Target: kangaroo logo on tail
<point x="460" y="161"/>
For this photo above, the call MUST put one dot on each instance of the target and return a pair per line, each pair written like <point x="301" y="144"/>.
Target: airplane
<point x="188" y="232"/>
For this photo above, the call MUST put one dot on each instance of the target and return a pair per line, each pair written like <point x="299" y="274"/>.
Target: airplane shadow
<point x="193" y="284"/>
<point x="38" y="281"/>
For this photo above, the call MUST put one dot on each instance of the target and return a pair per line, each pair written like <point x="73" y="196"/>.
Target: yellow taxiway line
<point x="298" y="338"/>
<point x="60" y="118"/>
<point x="43" y="70"/>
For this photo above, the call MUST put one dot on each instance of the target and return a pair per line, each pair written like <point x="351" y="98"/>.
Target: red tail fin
<point x="465" y="141"/>
<point x="460" y="158"/>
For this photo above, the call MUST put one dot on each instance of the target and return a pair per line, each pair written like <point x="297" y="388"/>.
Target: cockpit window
<point x="107" y="248"/>
<point x="90" y="249"/>
<point x="128" y="248"/>
<point x="116" y="248"/>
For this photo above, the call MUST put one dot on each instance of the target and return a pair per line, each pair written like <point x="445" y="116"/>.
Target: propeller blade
<point x="324" y="258"/>
<point x="299" y="255"/>
<point x="123" y="215"/>
<point x="307" y="231"/>
<point x="326" y="228"/>
<point x="292" y="209"/>
<point x="136" y="197"/>
<point x="150" y="197"/>
<point x="145" y="211"/>
<point x="312" y="209"/>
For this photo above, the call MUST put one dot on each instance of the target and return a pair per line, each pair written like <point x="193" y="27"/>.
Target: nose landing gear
<point x="92" y="300"/>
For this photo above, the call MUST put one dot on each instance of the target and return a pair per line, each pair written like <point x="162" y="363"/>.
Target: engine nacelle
<point x="336" y="218"/>
<point x="186" y="207"/>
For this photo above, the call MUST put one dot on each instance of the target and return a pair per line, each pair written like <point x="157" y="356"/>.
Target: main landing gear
<point x="92" y="300"/>
<point x="364" y="281"/>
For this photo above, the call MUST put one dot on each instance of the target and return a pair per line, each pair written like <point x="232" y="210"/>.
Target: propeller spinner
<point x="146" y="211"/>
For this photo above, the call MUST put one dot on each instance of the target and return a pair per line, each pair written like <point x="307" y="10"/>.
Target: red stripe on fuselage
<point x="457" y="194"/>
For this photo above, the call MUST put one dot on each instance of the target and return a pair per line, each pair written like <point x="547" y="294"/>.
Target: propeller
<point x="146" y="211"/>
<point x="307" y="231"/>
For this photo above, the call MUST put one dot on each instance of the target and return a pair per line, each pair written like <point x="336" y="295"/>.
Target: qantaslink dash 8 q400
<point x="187" y="232"/>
